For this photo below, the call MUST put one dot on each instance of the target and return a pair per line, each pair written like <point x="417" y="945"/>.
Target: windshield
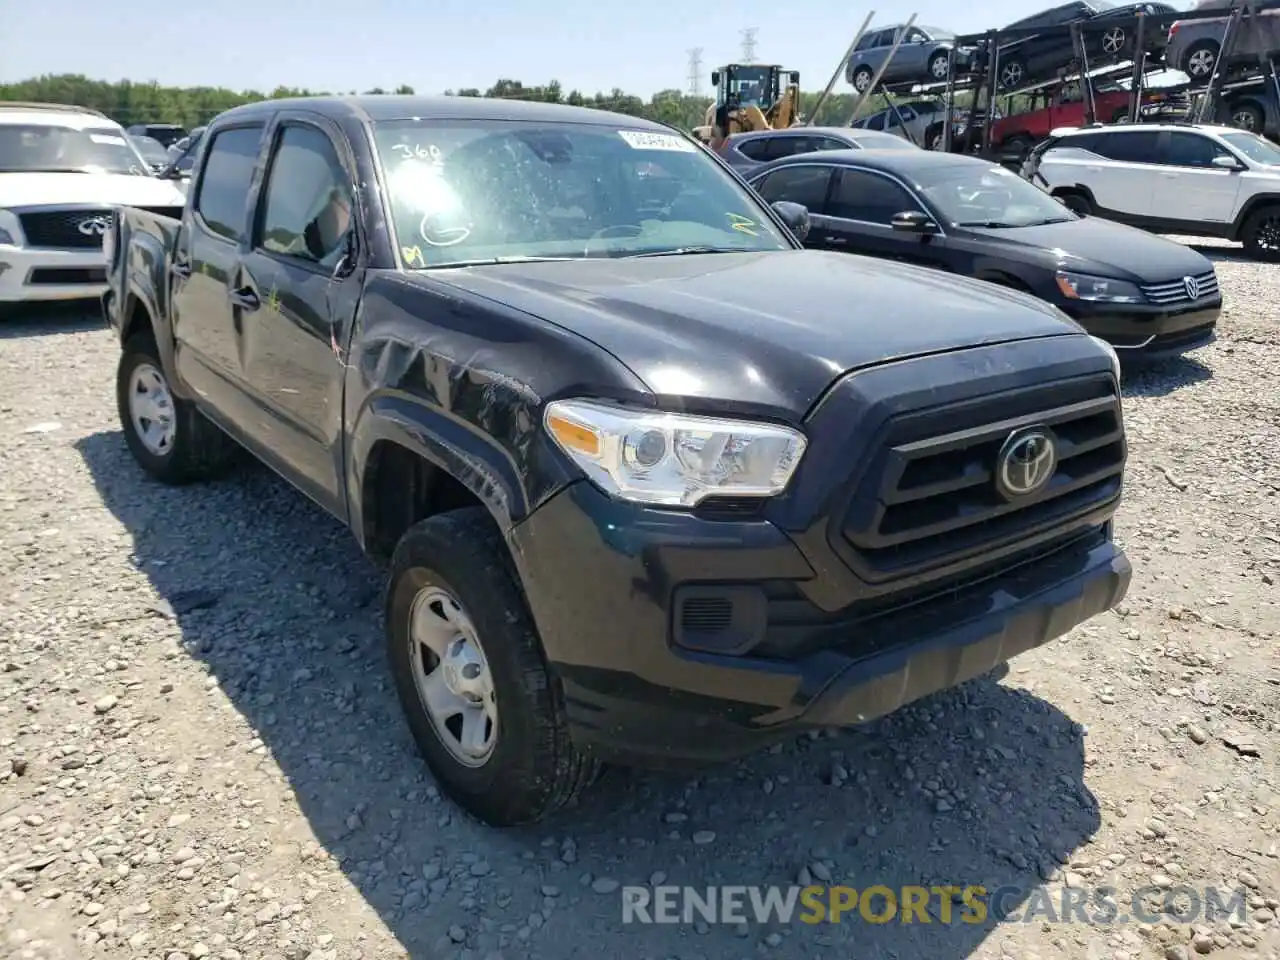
<point x="1254" y="147"/>
<point x="152" y="150"/>
<point x="44" y="148"/>
<point x="972" y="196"/>
<point x="489" y="190"/>
<point x="752" y="85"/>
<point x="937" y="33"/>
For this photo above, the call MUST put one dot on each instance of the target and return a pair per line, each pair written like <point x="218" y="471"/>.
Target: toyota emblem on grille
<point x="1026" y="463"/>
<point x="1192" y="286"/>
<point x="93" y="225"/>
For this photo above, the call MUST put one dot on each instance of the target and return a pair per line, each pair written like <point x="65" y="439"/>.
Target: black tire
<point x="198" y="450"/>
<point x="1012" y="74"/>
<point x="933" y="136"/>
<point x="1248" y="116"/>
<point x="1120" y="116"/>
<point x="1017" y="147"/>
<point x="534" y="767"/>
<point x="862" y="78"/>
<point x="1198" y="67"/>
<point x="1076" y="201"/>
<point x="938" y="65"/>
<point x="1261" y="234"/>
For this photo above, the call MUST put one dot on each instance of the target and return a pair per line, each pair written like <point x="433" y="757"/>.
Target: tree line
<point x="128" y="102"/>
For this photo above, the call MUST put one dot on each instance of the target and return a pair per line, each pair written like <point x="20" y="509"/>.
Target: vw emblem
<point x="92" y="226"/>
<point x="1192" y="286"/>
<point x="1026" y="463"/>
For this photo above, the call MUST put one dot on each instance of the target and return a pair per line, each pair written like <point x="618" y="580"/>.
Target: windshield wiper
<point x="680" y="251"/>
<point x="490" y="261"/>
<point x="989" y="224"/>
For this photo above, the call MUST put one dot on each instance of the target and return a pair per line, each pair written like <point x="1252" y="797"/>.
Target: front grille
<point x="58" y="276"/>
<point x="1175" y="291"/>
<point x="62" y="229"/>
<point x="931" y="497"/>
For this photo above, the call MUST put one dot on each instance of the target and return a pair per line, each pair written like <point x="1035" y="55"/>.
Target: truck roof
<point x="378" y="107"/>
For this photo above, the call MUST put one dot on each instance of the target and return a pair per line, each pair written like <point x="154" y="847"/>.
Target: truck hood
<point x="760" y="331"/>
<point x="86" y="189"/>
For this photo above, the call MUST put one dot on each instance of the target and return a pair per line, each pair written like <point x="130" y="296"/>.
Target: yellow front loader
<point x="751" y="97"/>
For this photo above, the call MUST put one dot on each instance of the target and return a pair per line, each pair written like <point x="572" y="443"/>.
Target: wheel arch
<point x="1252" y="206"/>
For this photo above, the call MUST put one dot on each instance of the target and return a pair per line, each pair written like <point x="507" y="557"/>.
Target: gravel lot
<point x="201" y="756"/>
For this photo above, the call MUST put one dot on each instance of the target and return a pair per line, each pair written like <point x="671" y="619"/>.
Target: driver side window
<point x="307" y="208"/>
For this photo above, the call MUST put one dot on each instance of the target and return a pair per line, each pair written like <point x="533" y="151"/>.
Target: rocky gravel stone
<point x="201" y="755"/>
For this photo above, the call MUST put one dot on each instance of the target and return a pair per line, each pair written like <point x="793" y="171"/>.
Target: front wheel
<point x="939" y="65"/>
<point x="862" y="78"/>
<point x="1261" y="234"/>
<point x="1077" y="202"/>
<point x="171" y="440"/>
<point x="1248" y="116"/>
<point x="1200" y="60"/>
<point x="1012" y="74"/>
<point x="472" y="677"/>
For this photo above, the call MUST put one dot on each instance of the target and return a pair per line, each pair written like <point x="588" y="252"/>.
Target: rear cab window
<point x="225" y="178"/>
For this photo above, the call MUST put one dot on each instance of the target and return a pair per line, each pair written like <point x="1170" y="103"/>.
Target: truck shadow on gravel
<point x="47" y="320"/>
<point x="981" y="785"/>
<point x="1163" y="377"/>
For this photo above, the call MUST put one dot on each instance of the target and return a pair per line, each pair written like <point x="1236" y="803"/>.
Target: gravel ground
<point x="201" y="756"/>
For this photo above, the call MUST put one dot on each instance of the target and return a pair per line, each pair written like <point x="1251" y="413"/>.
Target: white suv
<point x="62" y="172"/>
<point x="1192" y="179"/>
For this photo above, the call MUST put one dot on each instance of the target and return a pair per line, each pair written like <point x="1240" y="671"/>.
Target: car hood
<point x="759" y="331"/>
<point x="1104" y="248"/>
<point x="82" y="189"/>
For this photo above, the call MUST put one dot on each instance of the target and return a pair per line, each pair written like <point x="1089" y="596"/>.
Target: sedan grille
<point x="1180" y="291"/>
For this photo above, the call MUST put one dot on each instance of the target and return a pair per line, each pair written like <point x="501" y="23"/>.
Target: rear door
<point x="300" y="287"/>
<point x="1117" y="167"/>
<point x="206" y="264"/>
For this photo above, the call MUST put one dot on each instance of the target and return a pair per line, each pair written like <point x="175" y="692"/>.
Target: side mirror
<point x="913" y="221"/>
<point x="715" y="78"/>
<point x="795" y="216"/>
<point x="1227" y="163"/>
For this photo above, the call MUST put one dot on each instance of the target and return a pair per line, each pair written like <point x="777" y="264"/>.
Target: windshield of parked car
<point x="937" y="33"/>
<point x="1254" y="147"/>
<point x="152" y="150"/>
<point x="465" y="191"/>
<point x="48" y="148"/>
<point x="988" y="196"/>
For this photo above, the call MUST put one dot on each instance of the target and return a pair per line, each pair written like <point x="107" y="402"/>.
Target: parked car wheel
<point x="1013" y="74"/>
<point x="862" y="78"/>
<point x="171" y="440"/>
<point x="1200" y="59"/>
<point x="1261" y="234"/>
<point x="933" y="137"/>
<point x="1077" y="201"/>
<point x="1248" y="116"/>
<point x="472" y="677"/>
<point x="938" y="65"/>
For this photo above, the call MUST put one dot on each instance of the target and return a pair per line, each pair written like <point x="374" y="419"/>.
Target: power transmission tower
<point x="695" y="72"/>
<point x="749" y="45"/>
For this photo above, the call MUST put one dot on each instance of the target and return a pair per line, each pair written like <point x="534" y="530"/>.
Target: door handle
<point x="245" y="299"/>
<point x="181" y="267"/>
<point x="837" y="241"/>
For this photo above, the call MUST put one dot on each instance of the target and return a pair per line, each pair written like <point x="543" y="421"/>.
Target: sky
<point x="640" y="47"/>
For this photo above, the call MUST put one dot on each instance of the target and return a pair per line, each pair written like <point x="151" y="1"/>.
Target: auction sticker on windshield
<point x="107" y="138"/>
<point x="642" y="140"/>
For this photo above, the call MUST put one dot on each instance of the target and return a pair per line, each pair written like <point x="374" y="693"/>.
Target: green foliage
<point x="128" y="102"/>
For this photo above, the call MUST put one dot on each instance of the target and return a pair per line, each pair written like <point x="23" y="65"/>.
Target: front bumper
<point x="1145" y="333"/>
<point x="39" y="274"/>
<point x="611" y="586"/>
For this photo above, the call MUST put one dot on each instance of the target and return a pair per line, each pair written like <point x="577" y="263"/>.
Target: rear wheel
<point x="168" y="436"/>
<point x="1261" y="234"/>
<point x="938" y="65"/>
<point x="472" y="677"/>
<point x="1113" y="42"/>
<point x="862" y="78"/>
<point x="1017" y="147"/>
<point x="1200" y="59"/>
<point x="1076" y="201"/>
<point x="1248" y="116"/>
<point x="1013" y="74"/>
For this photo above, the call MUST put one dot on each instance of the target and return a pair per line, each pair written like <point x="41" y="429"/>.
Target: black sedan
<point x="1149" y="297"/>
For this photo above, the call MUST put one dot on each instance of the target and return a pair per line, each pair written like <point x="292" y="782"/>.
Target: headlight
<point x="10" y="229"/>
<point x="1079" y="286"/>
<point x="671" y="458"/>
<point x="1111" y="352"/>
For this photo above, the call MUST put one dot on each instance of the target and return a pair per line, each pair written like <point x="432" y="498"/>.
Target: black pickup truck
<point x="655" y="484"/>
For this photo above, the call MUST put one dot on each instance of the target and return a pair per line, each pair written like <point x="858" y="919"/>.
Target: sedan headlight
<point x="1080" y="286"/>
<point x="673" y="459"/>
<point x="10" y="229"/>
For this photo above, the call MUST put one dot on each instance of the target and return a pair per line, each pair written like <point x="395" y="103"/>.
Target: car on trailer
<point x="922" y="56"/>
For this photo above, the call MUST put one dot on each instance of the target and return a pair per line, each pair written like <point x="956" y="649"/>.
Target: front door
<point x="205" y="268"/>
<point x="1187" y="184"/>
<point x="302" y="281"/>
<point x="860" y="212"/>
<point x="805" y="184"/>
